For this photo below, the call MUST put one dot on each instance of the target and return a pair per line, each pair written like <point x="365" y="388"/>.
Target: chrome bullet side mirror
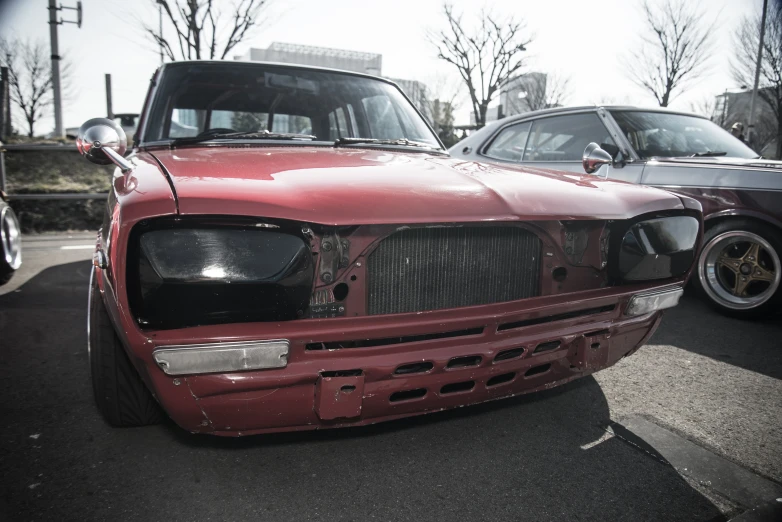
<point x="594" y="157"/>
<point x="102" y="141"/>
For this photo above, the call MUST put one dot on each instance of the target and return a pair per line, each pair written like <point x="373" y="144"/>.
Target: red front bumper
<point x="356" y="386"/>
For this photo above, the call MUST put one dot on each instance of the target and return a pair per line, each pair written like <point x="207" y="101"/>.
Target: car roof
<point x="579" y="108"/>
<point x="246" y="63"/>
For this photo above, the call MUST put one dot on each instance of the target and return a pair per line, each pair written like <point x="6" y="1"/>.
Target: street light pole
<point x="751" y="119"/>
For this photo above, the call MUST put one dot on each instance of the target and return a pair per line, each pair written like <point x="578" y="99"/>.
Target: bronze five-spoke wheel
<point x="739" y="269"/>
<point x="743" y="267"/>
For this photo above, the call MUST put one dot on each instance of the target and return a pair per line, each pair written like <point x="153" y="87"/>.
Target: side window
<point x="382" y="119"/>
<point x="564" y="138"/>
<point x="509" y="144"/>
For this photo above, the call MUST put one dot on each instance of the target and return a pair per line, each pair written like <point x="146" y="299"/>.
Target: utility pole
<point x="109" y="109"/>
<point x="56" y="87"/>
<point x="5" y="108"/>
<point x="724" y="108"/>
<point x="751" y="122"/>
<point x="55" y="68"/>
<point x="160" y="16"/>
<point x="160" y="13"/>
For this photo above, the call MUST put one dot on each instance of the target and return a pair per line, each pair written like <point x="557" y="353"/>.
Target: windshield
<point x="657" y="134"/>
<point x="195" y="98"/>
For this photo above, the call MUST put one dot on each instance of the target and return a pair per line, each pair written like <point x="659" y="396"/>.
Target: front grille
<point x="421" y="269"/>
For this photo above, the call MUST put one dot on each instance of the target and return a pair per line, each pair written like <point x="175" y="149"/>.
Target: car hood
<point x="351" y="186"/>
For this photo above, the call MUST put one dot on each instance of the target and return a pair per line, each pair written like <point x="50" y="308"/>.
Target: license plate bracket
<point x="339" y="397"/>
<point x="593" y="350"/>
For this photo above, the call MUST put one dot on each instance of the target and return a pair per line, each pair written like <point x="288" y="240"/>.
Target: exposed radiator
<point x="423" y="269"/>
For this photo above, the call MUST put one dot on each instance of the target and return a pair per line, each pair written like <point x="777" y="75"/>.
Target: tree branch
<point x="675" y="50"/>
<point x="485" y="58"/>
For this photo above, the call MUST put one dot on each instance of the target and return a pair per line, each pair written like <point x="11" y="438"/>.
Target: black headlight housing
<point x="188" y="272"/>
<point x="652" y="247"/>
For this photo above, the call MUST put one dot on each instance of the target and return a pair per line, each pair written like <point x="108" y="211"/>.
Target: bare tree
<point x="443" y="98"/>
<point x="202" y="30"/>
<point x="542" y="91"/>
<point x="445" y="88"/>
<point x="30" y="79"/>
<point x="706" y="107"/>
<point x="674" y="52"/>
<point x="770" y="87"/>
<point x="608" y="99"/>
<point x="485" y="57"/>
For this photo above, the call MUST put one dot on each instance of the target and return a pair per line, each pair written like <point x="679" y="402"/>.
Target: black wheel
<point x="739" y="269"/>
<point x="121" y="396"/>
<point x="10" y="243"/>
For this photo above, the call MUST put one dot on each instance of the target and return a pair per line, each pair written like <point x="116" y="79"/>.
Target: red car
<point x="307" y="255"/>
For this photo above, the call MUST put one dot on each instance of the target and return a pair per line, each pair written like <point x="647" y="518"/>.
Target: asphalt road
<point x="686" y="429"/>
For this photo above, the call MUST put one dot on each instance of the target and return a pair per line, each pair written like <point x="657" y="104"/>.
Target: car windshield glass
<point x="215" y="98"/>
<point x="658" y="134"/>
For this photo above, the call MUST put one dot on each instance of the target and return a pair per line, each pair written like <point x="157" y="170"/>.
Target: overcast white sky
<point x="581" y="38"/>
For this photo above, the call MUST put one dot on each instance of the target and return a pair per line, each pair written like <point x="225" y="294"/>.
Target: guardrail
<point x="25" y="147"/>
<point x="32" y="147"/>
<point x="76" y="195"/>
<point x="51" y="187"/>
<point x="29" y="147"/>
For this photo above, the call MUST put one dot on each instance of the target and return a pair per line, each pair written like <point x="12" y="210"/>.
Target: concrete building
<point x="368" y="63"/>
<point x="418" y="94"/>
<point x="346" y="60"/>
<point x="732" y="107"/>
<point x="518" y="95"/>
<point x="519" y="91"/>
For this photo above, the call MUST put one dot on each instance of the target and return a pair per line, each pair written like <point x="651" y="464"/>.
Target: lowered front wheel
<point x="739" y="268"/>
<point x="121" y="396"/>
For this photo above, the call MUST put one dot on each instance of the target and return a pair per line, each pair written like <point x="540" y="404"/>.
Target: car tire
<point x="10" y="243"/>
<point x="736" y="282"/>
<point x="121" y="396"/>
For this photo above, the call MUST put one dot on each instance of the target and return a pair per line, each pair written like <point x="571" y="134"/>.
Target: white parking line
<point x="77" y="247"/>
<point x="609" y="434"/>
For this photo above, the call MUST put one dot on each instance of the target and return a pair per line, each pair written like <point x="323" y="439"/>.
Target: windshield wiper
<point x="339" y="142"/>
<point x="708" y="153"/>
<point x="256" y="135"/>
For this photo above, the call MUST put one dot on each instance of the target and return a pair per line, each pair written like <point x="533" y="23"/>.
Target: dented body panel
<point x="346" y="365"/>
<point x="306" y="394"/>
<point x="362" y="187"/>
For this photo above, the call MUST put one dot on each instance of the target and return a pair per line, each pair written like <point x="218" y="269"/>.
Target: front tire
<point x="739" y="268"/>
<point x="120" y="394"/>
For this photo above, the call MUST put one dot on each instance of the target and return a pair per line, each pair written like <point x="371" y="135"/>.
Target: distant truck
<point x="127" y="120"/>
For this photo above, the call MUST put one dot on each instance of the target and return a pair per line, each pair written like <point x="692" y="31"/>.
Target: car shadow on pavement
<point x="544" y="456"/>
<point x="752" y="345"/>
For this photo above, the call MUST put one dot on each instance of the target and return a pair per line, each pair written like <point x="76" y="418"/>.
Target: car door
<point x="558" y="142"/>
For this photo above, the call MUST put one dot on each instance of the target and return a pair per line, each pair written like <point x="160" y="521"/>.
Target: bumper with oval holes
<point x="356" y="371"/>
